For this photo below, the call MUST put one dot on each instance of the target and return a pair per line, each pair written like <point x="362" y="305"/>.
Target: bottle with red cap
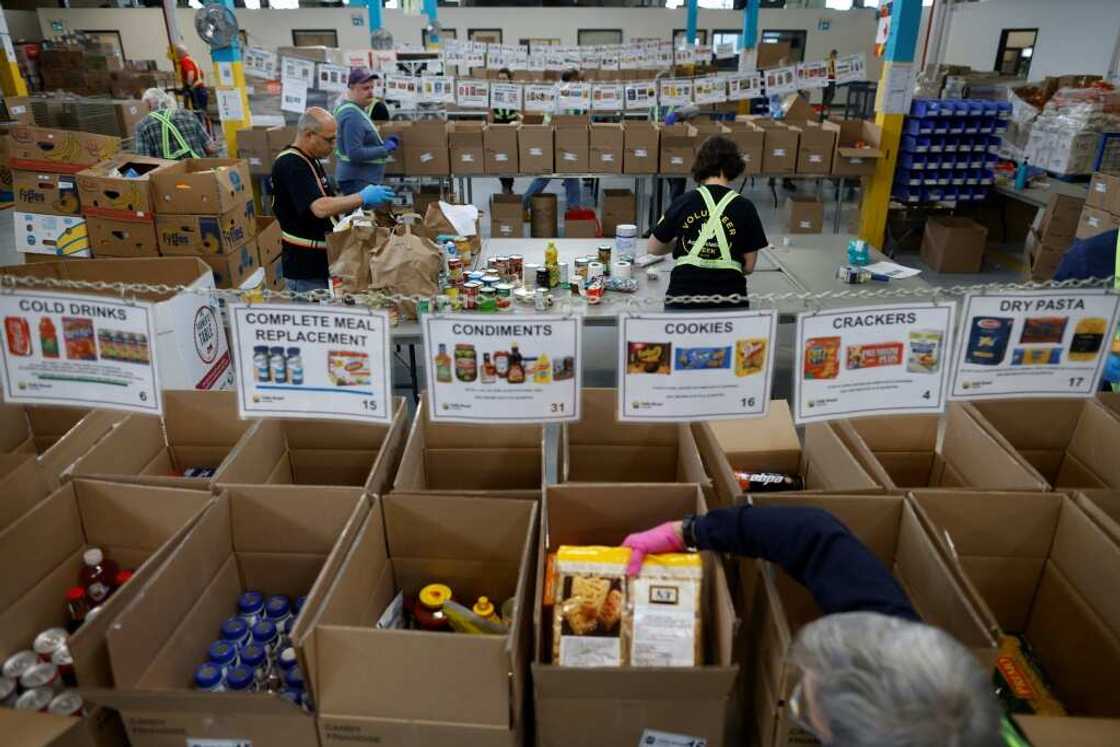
<point x="97" y="576"/>
<point x="77" y="606"/>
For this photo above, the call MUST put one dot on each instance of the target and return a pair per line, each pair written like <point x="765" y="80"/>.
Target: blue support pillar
<point x="693" y="12"/>
<point x="374" y="7"/>
<point x="750" y="25"/>
<point x="431" y="10"/>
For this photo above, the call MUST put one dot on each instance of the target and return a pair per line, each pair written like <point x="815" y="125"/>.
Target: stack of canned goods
<point x="253" y="652"/>
<point x="42" y="678"/>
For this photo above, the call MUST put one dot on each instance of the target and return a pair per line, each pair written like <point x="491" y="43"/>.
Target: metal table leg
<point x="839" y="205"/>
<point x="414" y="380"/>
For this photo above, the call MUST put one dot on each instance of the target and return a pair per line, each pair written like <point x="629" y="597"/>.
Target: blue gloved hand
<point x="375" y="194"/>
<point x="391" y="143"/>
<point x="671" y="118"/>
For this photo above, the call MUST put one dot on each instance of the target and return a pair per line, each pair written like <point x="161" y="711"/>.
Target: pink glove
<point x="662" y="538"/>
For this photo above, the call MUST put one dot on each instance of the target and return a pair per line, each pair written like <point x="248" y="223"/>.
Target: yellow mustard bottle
<point x="484" y="608"/>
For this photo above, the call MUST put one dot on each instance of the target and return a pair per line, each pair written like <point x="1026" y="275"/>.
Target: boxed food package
<point x="252" y="146"/>
<point x="366" y="666"/>
<point x="507" y="219"/>
<point x="780" y="154"/>
<point x="56" y="235"/>
<point x="620" y="704"/>
<point x="55" y="436"/>
<point x="109" y="189"/>
<point x="45" y="194"/>
<point x="203" y="186"/>
<point x="678" y="142"/>
<point x="890" y="528"/>
<point x="1104" y="193"/>
<point x="500" y="148"/>
<point x="857" y="148"/>
<point x="619" y="207"/>
<point x="954" y="244"/>
<point x="319" y="452"/>
<point x="1095" y="221"/>
<point x="816" y="144"/>
<point x="640" y="147"/>
<point x="425" y="149"/>
<point x="751" y="142"/>
<point x="58" y="151"/>
<point x="1074" y="450"/>
<point x="606" y="148"/>
<point x="464" y="140"/>
<point x="276" y="540"/>
<point x="114" y="237"/>
<point x="504" y="461"/>
<point x="268" y="239"/>
<point x="804" y="214"/>
<point x="535" y="149"/>
<point x="191" y="347"/>
<point x="212" y="235"/>
<point x="235" y="268"/>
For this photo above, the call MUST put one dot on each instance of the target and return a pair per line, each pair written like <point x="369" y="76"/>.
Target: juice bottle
<point x="48" y="338"/>
<point x="97" y="575"/>
<point x="443" y="365"/>
<point x="552" y="264"/>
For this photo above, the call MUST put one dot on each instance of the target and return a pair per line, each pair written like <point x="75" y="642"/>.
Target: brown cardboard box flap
<point x="203" y="186"/>
<point x="655" y="683"/>
<point x="1047" y="731"/>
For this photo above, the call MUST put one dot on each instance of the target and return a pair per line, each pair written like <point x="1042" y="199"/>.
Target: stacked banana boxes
<point x="48" y="216"/>
<point x="118" y="202"/>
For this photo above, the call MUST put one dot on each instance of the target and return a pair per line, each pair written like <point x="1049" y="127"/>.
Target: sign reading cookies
<point x="307" y="361"/>
<point x="695" y="366"/>
<point x="874" y="360"/>
<point x="1033" y="344"/>
<point x="483" y="369"/>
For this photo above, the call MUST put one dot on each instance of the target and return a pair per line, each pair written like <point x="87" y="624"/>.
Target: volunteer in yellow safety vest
<point x="712" y="231"/>
<point x="360" y="151"/>
<point x="170" y="132"/>
<point x="304" y="202"/>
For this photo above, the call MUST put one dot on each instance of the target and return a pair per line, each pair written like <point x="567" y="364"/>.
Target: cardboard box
<point x="369" y="683"/>
<point x="280" y="138"/>
<point x="804" y="214"/>
<point x="1094" y="221"/>
<point x="890" y="528"/>
<point x="198" y="429"/>
<point x="780" y="154"/>
<point x="954" y="244"/>
<point x="56" y="235"/>
<point x="252" y="146"/>
<point x="507" y="219"/>
<point x="320" y="452"/>
<point x="1073" y="450"/>
<point x="1061" y="218"/>
<point x="857" y="148"/>
<point x="211" y="235"/>
<point x="816" y="146"/>
<point x="1104" y="193"/>
<point x="190" y="344"/>
<point x="464" y="139"/>
<point x="425" y="149"/>
<point x="268" y="239"/>
<point x="619" y="207"/>
<point x="121" y="198"/>
<point x="500" y="148"/>
<point x="234" y="269"/>
<point x="45" y="194"/>
<point x="615" y="705"/>
<point x="1035" y="564"/>
<point x="203" y="186"/>
<point x="110" y="237"/>
<point x="751" y="141"/>
<point x="582" y="227"/>
<point x="394" y="162"/>
<point x="504" y="461"/>
<point x="130" y="113"/>
<point x="274" y="275"/>
<point x="58" y="151"/>
<point x="535" y="149"/>
<point x="280" y="540"/>
<point x="641" y="153"/>
<point x="678" y="142"/>
<point x="606" y="149"/>
<point x="55" y="437"/>
<point x="572" y="144"/>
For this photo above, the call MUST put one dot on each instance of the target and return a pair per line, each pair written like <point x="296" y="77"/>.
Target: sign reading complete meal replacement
<point x="695" y="366"/>
<point x="1033" y="344"/>
<point x="77" y="350"/>
<point x="874" y="360"/>
<point x="307" y="361"/>
<point x="483" y="369"/>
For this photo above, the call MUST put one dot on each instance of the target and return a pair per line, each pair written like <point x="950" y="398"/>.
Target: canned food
<point x="543" y="278"/>
<point x="43" y="674"/>
<point x="66" y="703"/>
<point x="565" y="274"/>
<point x="540" y="299"/>
<point x="463" y="246"/>
<point x="16" y="664"/>
<point x="516" y="266"/>
<point x="491" y="264"/>
<point x="443" y="303"/>
<point x="504" y="296"/>
<point x="594" y="270"/>
<point x="454" y="298"/>
<point x="35" y="700"/>
<point x="605" y="257"/>
<point x="8" y="695"/>
<point x="529" y="275"/>
<point x="576" y="284"/>
<point x="49" y="641"/>
<point x="501" y="266"/>
<point x="470" y="295"/>
<point x="490" y="279"/>
<point x="581" y="266"/>
<point x="19" y="335"/>
<point x="487" y="299"/>
<point x="62" y="659"/>
<point x="454" y="268"/>
<point x="475" y="276"/>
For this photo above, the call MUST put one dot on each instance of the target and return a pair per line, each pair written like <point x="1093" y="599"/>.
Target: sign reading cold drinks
<point x="486" y="370"/>
<point x="306" y="361"/>
<point x="695" y="366"/>
<point x="1033" y="344"/>
<point x="77" y="350"/>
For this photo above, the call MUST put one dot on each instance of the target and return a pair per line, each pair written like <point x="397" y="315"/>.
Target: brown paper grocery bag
<point x="405" y="264"/>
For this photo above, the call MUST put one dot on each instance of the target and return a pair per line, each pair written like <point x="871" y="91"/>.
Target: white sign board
<point x="309" y="361"/>
<point x="641" y="95"/>
<point x="229" y="105"/>
<point x="851" y="68"/>
<point x="606" y="97"/>
<point x="539" y="97"/>
<point x="401" y="88"/>
<point x="518" y="369"/>
<point x="781" y="80"/>
<point x="873" y="360"/>
<point x="332" y="77"/>
<point x="695" y="366"/>
<point x="505" y="96"/>
<point x="473" y="94"/>
<point x="437" y="89"/>
<point x="356" y="57"/>
<point x="295" y="69"/>
<point x="675" y="92"/>
<point x="710" y="90"/>
<point x="575" y="96"/>
<point x="744" y="86"/>
<point x="225" y="73"/>
<point x="897" y="90"/>
<point x="293" y="96"/>
<point x="1033" y="344"/>
<point x="79" y="350"/>
<point x="812" y="75"/>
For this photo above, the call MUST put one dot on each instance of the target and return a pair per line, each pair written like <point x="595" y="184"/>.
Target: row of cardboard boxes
<point x="570" y="144"/>
<point x="1067" y="218"/>
<point x="352" y="514"/>
<point x="99" y="71"/>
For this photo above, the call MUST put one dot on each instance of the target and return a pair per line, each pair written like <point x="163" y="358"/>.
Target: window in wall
<point x="490" y="36"/>
<point x="314" y="37"/>
<point x="1016" y="48"/>
<point x="110" y="41"/>
<point x="444" y="35"/>
<point x="591" y="37"/>
<point x="795" y="40"/>
<point x="680" y="37"/>
<point x="727" y="37"/>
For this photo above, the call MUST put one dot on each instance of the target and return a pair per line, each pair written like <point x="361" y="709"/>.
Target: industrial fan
<point x="216" y="25"/>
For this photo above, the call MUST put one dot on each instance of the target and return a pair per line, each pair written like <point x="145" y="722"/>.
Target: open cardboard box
<point x="852" y="160"/>
<point x="57" y="151"/>
<point x="613" y="706"/>
<point x="572" y="141"/>
<point x="418" y="688"/>
<point x="930" y="451"/>
<point x="276" y="539"/>
<point x="751" y="141"/>
<point x="464" y="140"/>
<point x="504" y="461"/>
<point x="23" y="483"/>
<point x="319" y="452"/>
<point x="1038" y="565"/>
<point x="57" y="436"/>
<point x="204" y="186"/>
<point x="198" y="429"/>
<point x="890" y="528"/>
<point x="1103" y="506"/>
<point x="1073" y="443"/>
<point x="127" y="198"/>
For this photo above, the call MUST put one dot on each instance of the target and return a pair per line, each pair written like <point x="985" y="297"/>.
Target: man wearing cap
<point x="360" y="151"/>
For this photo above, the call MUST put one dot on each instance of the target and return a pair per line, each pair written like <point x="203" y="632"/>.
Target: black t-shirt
<point x="295" y="187"/>
<point x="380" y="112"/>
<point x="683" y="222"/>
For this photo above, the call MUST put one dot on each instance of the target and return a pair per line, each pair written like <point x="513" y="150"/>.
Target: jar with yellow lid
<point x="429" y="607"/>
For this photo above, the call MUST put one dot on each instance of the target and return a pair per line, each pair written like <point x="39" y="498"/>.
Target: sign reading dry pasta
<point x="874" y="360"/>
<point x="695" y="366"/>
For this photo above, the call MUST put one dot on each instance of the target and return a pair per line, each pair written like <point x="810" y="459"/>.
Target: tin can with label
<point x="605" y="257"/>
<point x="543" y="280"/>
<point x="490" y="279"/>
<point x="65" y="663"/>
<point x="529" y="275"/>
<point x="49" y="641"/>
<point x="503" y="296"/>
<point x="35" y="700"/>
<point x="594" y="270"/>
<point x="581" y="266"/>
<point x="491" y="264"/>
<point x="488" y="300"/>
<point x="475" y="276"/>
<point x="540" y="299"/>
<point x="516" y="266"/>
<point x="576" y="284"/>
<point x="443" y="303"/>
<point x="501" y="267"/>
<point x="44" y="674"/>
<point x="455" y="298"/>
<point x="454" y="269"/>
<point x="66" y="703"/>
<point x="16" y="664"/>
<point x="470" y="295"/>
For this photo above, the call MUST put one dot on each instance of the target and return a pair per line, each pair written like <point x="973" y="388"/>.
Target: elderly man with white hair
<point x="871" y="674"/>
<point x="170" y="132"/>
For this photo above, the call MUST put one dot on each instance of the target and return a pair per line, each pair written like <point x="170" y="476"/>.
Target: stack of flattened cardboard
<point x="119" y="204"/>
<point x="1051" y="235"/>
<point x="1102" y="207"/>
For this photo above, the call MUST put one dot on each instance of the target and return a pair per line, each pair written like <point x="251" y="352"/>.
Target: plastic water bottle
<point x="1021" y="174"/>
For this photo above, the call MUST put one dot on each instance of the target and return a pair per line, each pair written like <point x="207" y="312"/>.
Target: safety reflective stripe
<point x="294" y="240"/>
<point x="168" y="129"/>
<point x="712" y="228"/>
<point x="1011" y="735"/>
<point x="338" y="150"/>
<point x="291" y="238"/>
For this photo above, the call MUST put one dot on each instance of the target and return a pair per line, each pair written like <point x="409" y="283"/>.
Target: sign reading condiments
<point x="487" y="370"/>
<point x="695" y="366"/>
<point x="78" y="350"/>
<point x="1033" y="344"/>
<point x="306" y="361"/>
<point x="874" y="360"/>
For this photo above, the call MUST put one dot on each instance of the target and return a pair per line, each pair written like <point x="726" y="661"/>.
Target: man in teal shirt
<point x="360" y="151"/>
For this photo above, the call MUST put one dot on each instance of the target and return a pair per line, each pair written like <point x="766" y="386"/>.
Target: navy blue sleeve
<point x="813" y="547"/>
<point x="352" y="139"/>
